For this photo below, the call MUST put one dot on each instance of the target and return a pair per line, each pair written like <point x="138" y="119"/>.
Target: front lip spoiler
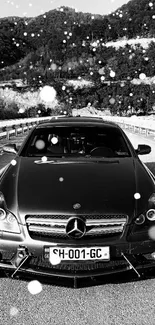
<point x="43" y="272"/>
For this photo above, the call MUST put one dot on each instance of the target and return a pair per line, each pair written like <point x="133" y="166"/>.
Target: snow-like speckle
<point x="137" y="196"/>
<point x="48" y="94"/>
<point x="34" y="287"/>
<point x="14" y="311"/>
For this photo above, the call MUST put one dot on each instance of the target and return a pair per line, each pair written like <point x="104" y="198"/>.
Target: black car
<point x="76" y="202"/>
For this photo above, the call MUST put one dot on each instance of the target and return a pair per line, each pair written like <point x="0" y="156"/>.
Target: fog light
<point x="2" y="214"/>
<point x="140" y="219"/>
<point x="151" y="214"/>
<point x="21" y="254"/>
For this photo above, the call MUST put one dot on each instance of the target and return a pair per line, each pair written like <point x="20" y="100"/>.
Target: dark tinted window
<point x="94" y="141"/>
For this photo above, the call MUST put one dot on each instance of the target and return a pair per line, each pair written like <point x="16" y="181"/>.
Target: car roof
<point x="77" y="120"/>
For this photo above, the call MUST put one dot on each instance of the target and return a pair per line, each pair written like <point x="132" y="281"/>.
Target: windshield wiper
<point x="78" y="160"/>
<point x="105" y="161"/>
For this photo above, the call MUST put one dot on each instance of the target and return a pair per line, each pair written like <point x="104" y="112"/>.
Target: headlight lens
<point x="151" y="214"/>
<point x="8" y="222"/>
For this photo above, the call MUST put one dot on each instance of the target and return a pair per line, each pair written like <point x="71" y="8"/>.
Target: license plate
<point x="79" y="254"/>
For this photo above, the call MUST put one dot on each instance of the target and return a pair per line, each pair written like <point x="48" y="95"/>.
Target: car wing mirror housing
<point x="143" y="149"/>
<point x="10" y="148"/>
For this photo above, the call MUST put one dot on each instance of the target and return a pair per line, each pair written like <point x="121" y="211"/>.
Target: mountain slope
<point x="65" y="36"/>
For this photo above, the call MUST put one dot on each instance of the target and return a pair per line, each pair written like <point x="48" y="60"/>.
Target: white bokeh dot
<point x="53" y="67"/>
<point x="112" y="74"/>
<point x="112" y="100"/>
<point x="61" y="179"/>
<point x="54" y="140"/>
<point x="55" y="259"/>
<point x="48" y="94"/>
<point x="137" y="196"/>
<point x="13" y="162"/>
<point x="44" y="158"/>
<point x="21" y="110"/>
<point x="151" y="232"/>
<point x="34" y="287"/>
<point x="142" y="76"/>
<point x="40" y="144"/>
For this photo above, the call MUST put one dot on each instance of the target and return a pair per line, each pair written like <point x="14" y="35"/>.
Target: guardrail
<point x="7" y="128"/>
<point x="141" y="126"/>
<point x="14" y="127"/>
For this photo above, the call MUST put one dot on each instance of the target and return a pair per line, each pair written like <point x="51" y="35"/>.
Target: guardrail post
<point x="22" y="126"/>
<point x="7" y="134"/>
<point x="16" y="130"/>
<point x="27" y="124"/>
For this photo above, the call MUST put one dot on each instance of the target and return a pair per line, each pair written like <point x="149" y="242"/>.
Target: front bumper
<point x="72" y="276"/>
<point x="31" y="259"/>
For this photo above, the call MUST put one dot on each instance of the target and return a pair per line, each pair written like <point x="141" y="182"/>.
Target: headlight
<point x="151" y="214"/>
<point x="8" y="222"/>
<point x="152" y="201"/>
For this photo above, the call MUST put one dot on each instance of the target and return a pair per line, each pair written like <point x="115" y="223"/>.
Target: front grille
<point x="54" y="226"/>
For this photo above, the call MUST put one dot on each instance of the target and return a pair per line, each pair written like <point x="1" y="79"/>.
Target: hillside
<point x="115" y="52"/>
<point x="20" y="36"/>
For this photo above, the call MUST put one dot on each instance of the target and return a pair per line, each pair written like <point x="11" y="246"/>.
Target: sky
<point x="32" y="8"/>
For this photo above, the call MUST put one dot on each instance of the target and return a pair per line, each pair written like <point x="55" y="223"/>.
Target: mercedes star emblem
<point x="75" y="228"/>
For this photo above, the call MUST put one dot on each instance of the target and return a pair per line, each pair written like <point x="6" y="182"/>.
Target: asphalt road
<point x="110" y="304"/>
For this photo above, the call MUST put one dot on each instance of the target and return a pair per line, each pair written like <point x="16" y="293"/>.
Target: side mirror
<point x="10" y="148"/>
<point x="143" y="149"/>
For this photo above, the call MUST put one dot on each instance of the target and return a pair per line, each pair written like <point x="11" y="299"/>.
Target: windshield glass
<point x="76" y="141"/>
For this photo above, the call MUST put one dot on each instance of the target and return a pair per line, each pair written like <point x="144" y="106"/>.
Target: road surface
<point x="129" y="303"/>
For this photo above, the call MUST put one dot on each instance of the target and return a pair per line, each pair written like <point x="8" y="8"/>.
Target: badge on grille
<point x="75" y="228"/>
<point x="77" y="206"/>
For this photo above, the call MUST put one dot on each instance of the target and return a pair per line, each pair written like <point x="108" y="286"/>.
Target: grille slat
<point x="104" y="230"/>
<point x="47" y="221"/>
<point x="47" y="229"/>
<point x="54" y="226"/>
<point x="113" y="221"/>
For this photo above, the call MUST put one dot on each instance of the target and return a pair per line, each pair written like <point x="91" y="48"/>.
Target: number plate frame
<point x="79" y="253"/>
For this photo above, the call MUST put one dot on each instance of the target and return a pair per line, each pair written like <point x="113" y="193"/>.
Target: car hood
<point x="106" y="186"/>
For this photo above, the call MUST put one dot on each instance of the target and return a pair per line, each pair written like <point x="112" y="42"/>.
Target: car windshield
<point x="76" y="142"/>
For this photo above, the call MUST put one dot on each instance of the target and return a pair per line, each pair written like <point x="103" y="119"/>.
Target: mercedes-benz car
<point x="76" y="202"/>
